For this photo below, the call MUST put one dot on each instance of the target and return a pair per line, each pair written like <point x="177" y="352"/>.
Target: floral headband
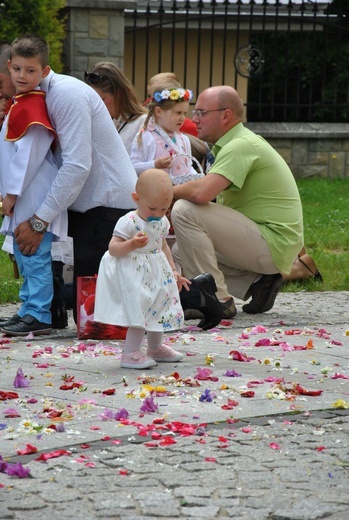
<point x="173" y="94"/>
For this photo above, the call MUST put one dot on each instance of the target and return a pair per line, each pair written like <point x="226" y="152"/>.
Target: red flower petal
<point x="8" y="395"/>
<point x="248" y="393"/>
<point x="52" y="455"/>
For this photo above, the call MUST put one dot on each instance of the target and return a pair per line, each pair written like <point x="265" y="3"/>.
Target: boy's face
<point x="26" y="73"/>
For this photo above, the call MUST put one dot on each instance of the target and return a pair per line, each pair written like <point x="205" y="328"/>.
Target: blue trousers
<point x="36" y="291"/>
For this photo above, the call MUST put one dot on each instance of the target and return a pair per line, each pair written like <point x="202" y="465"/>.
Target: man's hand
<point x="28" y="241"/>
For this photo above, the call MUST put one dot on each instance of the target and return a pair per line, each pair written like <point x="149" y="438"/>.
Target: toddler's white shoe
<point x="137" y="360"/>
<point x="165" y="354"/>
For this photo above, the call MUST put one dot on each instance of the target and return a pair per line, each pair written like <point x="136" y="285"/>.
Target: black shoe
<point x="11" y="320"/>
<point x="59" y="317"/>
<point x="26" y="325"/>
<point x="193" y="314"/>
<point x="212" y="309"/>
<point x="228" y="308"/>
<point x="263" y="293"/>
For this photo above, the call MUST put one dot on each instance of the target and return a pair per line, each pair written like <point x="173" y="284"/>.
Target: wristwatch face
<point x="37" y="225"/>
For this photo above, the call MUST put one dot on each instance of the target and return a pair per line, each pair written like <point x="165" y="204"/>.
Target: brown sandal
<point x="303" y="268"/>
<point x="316" y="274"/>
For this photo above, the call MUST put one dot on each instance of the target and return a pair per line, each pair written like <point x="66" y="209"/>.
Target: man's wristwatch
<point x="37" y="225"/>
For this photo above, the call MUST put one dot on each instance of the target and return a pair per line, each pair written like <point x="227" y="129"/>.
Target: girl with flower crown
<point x="160" y="144"/>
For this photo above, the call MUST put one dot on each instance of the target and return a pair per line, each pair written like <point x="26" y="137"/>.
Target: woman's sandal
<point x="316" y="274"/>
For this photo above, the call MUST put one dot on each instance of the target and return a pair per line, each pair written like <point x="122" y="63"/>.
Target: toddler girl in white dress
<point x="138" y="285"/>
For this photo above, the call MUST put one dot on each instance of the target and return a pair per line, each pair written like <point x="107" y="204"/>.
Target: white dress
<point x="139" y="289"/>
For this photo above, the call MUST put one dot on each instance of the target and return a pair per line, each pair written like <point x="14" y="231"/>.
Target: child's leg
<point x="160" y="352"/>
<point x="36" y="291"/>
<point x="133" y="357"/>
<point x="134" y="338"/>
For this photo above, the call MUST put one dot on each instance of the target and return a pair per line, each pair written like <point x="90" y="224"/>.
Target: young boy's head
<point x="28" y="62"/>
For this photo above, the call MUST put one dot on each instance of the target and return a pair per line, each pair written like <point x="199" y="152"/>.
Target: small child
<point x="160" y="144"/>
<point x="137" y="281"/>
<point x="27" y="170"/>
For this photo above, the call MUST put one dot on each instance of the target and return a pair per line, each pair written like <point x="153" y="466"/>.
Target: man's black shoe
<point x="263" y="293"/>
<point x="211" y="309"/>
<point x="26" y="325"/>
<point x="11" y="320"/>
<point x="228" y="308"/>
<point x="59" y="318"/>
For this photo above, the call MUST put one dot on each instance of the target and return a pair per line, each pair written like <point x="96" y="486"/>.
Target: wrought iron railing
<point x="290" y="57"/>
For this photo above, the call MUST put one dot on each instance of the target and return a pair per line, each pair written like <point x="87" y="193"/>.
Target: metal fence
<point x="288" y="58"/>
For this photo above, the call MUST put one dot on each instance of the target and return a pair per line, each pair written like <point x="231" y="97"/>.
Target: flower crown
<point x="173" y="94"/>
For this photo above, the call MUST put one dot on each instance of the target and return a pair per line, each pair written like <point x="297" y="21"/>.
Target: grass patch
<point x="9" y="286"/>
<point x="326" y="229"/>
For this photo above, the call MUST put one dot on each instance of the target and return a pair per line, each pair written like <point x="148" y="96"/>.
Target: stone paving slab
<point x="249" y="442"/>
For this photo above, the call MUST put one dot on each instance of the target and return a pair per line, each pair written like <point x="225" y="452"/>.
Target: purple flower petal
<point x="149" y="405"/>
<point x="20" y="380"/>
<point x="121" y="414"/>
<point x="17" y="470"/>
<point x="206" y="396"/>
<point x="13" y="470"/>
<point x="107" y="415"/>
<point x="232" y="373"/>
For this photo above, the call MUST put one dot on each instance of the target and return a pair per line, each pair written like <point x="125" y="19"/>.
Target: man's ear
<point x="46" y="71"/>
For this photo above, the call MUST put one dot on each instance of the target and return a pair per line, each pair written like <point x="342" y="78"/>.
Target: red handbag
<point x="86" y="326"/>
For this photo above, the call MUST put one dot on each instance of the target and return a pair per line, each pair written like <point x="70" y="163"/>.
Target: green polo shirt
<point x="262" y="188"/>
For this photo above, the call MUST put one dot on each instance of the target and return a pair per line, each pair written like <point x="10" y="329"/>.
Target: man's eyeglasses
<point x="201" y="113"/>
<point x="93" y="78"/>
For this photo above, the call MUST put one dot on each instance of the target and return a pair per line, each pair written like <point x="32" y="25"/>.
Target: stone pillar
<point x="95" y="32"/>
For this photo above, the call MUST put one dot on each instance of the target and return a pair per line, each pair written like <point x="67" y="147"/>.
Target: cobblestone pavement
<point x="252" y="424"/>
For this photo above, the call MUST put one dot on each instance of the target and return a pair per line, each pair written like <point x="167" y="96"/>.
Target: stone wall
<point x="310" y="149"/>
<point x="95" y="32"/>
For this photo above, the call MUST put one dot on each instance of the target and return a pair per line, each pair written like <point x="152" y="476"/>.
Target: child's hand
<point x="8" y="205"/>
<point x="181" y="281"/>
<point x="163" y="162"/>
<point x="140" y="240"/>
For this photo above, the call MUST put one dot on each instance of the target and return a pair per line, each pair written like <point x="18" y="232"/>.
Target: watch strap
<point x="37" y="225"/>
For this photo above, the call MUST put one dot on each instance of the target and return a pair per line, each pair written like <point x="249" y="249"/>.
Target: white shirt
<point x="128" y="129"/>
<point x="94" y="167"/>
<point x="28" y="169"/>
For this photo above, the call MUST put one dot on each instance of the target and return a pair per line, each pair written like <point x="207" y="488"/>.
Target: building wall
<point x="95" y="32"/>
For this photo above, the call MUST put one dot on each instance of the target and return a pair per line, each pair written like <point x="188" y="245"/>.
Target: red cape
<point x="28" y="109"/>
<point x="189" y="127"/>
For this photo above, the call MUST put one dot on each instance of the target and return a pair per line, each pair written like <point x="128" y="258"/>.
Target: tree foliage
<point x="42" y="17"/>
